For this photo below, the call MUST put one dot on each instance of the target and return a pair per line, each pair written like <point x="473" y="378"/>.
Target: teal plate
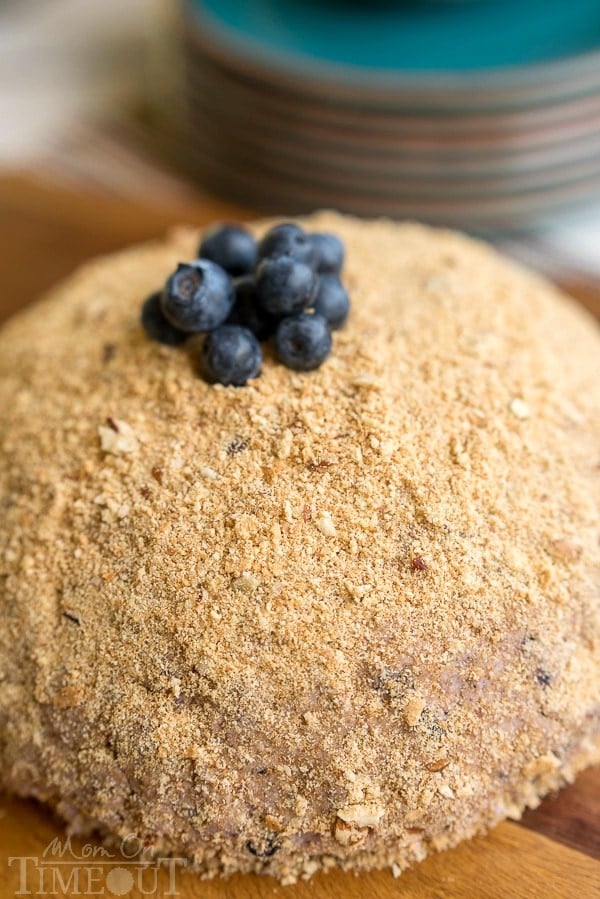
<point x="413" y="36"/>
<point x="259" y="188"/>
<point x="520" y="128"/>
<point x="418" y="56"/>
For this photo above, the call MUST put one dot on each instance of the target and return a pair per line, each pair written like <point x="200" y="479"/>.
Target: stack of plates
<point x="484" y="115"/>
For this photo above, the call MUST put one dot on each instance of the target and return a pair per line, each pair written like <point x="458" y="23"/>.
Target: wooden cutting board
<point x="553" y="852"/>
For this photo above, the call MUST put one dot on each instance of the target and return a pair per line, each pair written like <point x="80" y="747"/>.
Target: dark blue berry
<point x="302" y="342"/>
<point x="285" y="286"/>
<point x="248" y="312"/>
<point x="231" y="355"/>
<point x="287" y="240"/>
<point x="155" y="324"/>
<point x="332" y="301"/>
<point x="230" y="246"/>
<point x="329" y="251"/>
<point x="198" y="296"/>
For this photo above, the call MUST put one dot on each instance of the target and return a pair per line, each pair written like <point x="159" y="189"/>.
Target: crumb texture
<point x="342" y="618"/>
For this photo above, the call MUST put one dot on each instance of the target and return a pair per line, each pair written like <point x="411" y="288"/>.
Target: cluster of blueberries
<point x="240" y="292"/>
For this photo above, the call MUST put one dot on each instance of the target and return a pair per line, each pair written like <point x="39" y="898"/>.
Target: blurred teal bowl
<point x="453" y="36"/>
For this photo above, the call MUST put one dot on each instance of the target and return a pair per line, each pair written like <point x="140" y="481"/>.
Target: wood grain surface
<point x="553" y="853"/>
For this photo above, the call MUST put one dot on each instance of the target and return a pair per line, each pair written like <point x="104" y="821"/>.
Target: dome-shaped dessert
<point x="341" y="617"/>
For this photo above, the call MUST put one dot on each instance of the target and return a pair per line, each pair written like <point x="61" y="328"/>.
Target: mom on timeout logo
<point x="93" y="870"/>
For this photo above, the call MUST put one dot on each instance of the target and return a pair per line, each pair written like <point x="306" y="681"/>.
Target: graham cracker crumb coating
<point x="342" y="618"/>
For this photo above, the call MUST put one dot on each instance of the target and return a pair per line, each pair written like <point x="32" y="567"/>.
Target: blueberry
<point x="332" y="301"/>
<point x="231" y="355"/>
<point x="248" y="312"/>
<point x="329" y="251"/>
<point x="198" y="296"/>
<point x="156" y="325"/>
<point x="287" y="240"/>
<point x="302" y="342"/>
<point x="230" y="246"/>
<point x="285" y="286"/>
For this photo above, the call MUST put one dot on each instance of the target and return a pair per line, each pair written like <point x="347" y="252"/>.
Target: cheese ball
<point x="343" y="617"/>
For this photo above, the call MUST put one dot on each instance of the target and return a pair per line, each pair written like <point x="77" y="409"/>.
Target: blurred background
<point x="125" y="115"/>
